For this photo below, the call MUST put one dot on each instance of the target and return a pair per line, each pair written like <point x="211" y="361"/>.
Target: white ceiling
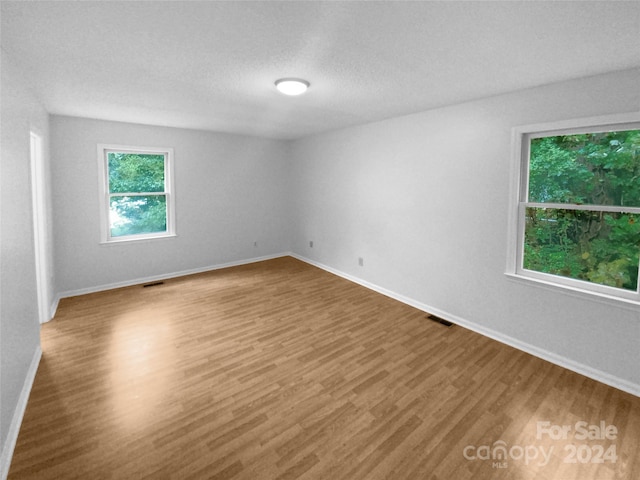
<point x="211" y="65"/>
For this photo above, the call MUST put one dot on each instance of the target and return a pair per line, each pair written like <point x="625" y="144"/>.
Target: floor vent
<point x="441" y="321"/>
<point x="154" y="284"/>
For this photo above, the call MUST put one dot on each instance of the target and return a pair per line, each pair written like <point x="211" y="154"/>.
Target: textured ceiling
<point x="211" y="65"/>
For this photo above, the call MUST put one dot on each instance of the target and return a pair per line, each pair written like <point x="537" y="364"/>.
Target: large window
<point x="578" y="217"/>
<point x="136" y="193"/>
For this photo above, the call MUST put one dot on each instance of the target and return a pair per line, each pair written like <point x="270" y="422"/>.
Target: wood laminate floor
<point x="279" y="370"/>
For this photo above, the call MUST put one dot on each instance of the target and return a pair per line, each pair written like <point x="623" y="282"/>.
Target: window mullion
<point x="136" y="194"/>
<point x="590" y="208"/>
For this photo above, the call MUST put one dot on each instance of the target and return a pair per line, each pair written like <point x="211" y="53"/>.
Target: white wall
<point x="19" y="323"/>
<point x="230" y="191"/>
<point x="424" y="199"/>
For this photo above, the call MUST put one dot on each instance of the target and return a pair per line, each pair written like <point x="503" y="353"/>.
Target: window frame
<point x="105" y="195"/>
<point x="521" y="137"/>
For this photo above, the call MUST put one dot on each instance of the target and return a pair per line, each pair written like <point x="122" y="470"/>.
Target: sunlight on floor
<point x="140" y="376"/>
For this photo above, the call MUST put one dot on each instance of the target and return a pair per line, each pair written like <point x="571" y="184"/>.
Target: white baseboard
<point x="18" y="414"/>
<point x="587" y="371"/>
<point x="164" y="276"/>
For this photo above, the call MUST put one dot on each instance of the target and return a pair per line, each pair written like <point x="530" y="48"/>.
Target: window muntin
<point x="579" y="208"/>
<point x="136" y="193"/>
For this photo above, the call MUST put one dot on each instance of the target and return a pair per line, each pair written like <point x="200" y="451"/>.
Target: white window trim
<point x="103" y="189"/>
<point x="518" y="202"/>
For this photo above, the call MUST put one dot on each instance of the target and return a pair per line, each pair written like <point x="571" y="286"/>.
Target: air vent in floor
<point x="441" y="321"/>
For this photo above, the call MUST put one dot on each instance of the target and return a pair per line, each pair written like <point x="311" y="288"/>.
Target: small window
<point x="136" y="193"/>
<point x="578" y="217"/>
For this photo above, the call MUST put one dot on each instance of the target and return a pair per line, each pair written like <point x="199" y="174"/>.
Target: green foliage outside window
<point x="132" y="178"/>
<point x="600" y="169"/>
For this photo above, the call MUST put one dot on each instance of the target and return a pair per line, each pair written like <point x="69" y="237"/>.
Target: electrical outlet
<point x="311" y="244"/>
<point x="361" y="261"/>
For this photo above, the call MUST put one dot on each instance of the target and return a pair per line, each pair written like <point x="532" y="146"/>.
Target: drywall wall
<point x="19" y="324"/>
<point x="230" y="192"/>
<point x="424" y="201"/>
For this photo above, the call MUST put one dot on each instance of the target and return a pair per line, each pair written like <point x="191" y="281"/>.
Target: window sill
<point x="580" y="293"/>
<point x="140" y="239"/>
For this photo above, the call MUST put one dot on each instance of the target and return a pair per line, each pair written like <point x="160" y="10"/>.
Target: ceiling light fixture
<point x="292" y="86"/>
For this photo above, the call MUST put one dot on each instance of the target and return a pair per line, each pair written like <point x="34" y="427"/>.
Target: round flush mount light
<point x="292" y="86"/>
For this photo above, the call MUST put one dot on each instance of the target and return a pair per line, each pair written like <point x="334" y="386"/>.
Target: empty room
<point x="353" y="240"/>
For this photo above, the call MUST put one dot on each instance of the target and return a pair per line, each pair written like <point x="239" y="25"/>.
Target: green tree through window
<point x="582" y="219"/>
<point x="137" y="193"/>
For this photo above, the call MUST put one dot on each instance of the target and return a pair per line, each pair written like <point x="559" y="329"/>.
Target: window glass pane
<point x="132" y="215"/>
<point x="597" y="247"/>
<point x="135" y="172"/>
<point x="595" y="168"/>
